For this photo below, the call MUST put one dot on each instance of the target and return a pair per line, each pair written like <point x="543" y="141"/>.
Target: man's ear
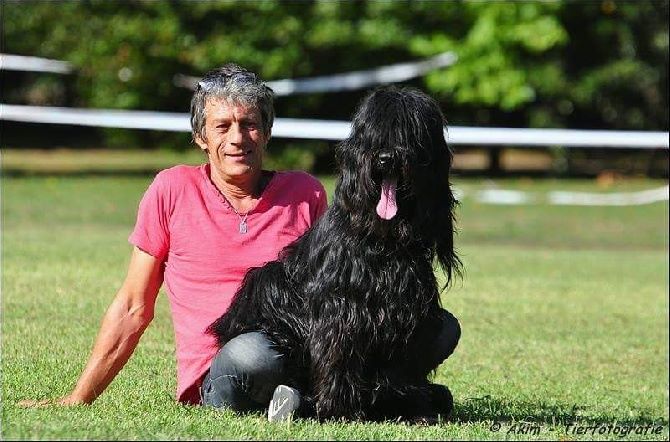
<point x="200" y="142"/>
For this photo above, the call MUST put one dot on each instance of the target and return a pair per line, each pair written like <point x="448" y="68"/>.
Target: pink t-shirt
<point x="184" y="221"/>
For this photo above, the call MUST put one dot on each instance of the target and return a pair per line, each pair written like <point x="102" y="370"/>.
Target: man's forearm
<point x="120" y="331"/>
<point x="124" y="322"/>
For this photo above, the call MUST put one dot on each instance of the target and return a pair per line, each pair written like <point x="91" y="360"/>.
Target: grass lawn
<point x="564" y="313"/>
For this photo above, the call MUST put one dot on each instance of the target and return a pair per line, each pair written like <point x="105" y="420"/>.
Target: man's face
<point x="235" y="141"/>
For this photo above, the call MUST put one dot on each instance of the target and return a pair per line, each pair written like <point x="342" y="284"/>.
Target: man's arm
<point x="122" y="326"/>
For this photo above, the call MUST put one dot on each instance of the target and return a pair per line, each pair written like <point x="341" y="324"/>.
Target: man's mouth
<point x="238" y="154"/>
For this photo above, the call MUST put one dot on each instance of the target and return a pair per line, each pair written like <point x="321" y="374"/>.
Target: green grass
<point x="564" y="314"/>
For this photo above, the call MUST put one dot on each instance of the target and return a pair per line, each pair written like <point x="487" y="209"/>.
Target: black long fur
<point x="354" y="303"/>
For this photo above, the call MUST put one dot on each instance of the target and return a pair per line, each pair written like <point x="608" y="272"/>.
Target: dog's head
<point x="394" y="172"/>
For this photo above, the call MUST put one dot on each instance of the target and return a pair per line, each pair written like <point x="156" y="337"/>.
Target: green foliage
<point x="503" y="44"/>
<point x="617" y="65"/>
<point x="596" y="64"/>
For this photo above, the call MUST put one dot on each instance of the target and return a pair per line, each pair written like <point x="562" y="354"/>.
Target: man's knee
<point x="244" y="373"/>
<point x="249" y="354"/>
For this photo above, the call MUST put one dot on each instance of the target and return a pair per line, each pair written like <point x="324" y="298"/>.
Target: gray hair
<point x="233" y="84"/>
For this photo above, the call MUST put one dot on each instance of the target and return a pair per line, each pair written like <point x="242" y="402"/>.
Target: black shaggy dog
<point x="354" y="303"/>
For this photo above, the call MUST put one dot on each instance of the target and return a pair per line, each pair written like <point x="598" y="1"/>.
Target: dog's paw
<point x="442" y="401"/>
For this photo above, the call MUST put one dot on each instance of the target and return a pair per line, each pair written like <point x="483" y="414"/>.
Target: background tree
<point x="595" y="64"/>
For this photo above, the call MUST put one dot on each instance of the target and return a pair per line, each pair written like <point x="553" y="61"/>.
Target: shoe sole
<point x="285" y="401"/>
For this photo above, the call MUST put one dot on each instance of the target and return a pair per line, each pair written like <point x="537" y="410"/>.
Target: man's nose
<point x="236" y="135"/>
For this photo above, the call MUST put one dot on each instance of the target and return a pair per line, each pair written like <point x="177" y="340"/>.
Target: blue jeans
<point x="246" y="371"/>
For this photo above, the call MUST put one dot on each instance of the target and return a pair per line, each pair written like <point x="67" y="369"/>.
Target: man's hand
<point x="65" y="401"/>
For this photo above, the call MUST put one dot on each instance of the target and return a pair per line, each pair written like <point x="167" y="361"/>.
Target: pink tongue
<point x="387" y="207"/>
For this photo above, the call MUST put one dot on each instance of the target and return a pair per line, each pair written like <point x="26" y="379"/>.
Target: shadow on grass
<point x="490" y="409"/>
<point x="487" y="410"/>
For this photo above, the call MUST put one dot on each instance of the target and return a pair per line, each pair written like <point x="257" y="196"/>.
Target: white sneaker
<point x="285" y="401"/>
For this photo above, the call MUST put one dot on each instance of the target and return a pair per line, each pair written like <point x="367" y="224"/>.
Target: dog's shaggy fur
<point x="354" y="303"/>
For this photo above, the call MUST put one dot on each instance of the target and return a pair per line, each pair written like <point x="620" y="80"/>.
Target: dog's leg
<point x="404" y="390"/>
<point x="337" y="378"/>
<point x="433" y="341"/>
<point x="337" y="388"/>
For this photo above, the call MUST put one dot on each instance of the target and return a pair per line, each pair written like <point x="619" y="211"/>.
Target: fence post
<point x="494" y="161"/>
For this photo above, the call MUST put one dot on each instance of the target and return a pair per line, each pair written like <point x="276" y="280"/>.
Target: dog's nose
<point x="385" y="158"/>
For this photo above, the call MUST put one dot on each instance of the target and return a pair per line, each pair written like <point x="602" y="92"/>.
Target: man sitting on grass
<point x="199" y="229"/>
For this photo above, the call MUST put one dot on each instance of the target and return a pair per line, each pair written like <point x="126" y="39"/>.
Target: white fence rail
<point x="565" y="198"/>
<point x="348" y="81"/>
<point x="338" y="130"/>
<point x="354" y="80"/>
<point x="9" y="62"/>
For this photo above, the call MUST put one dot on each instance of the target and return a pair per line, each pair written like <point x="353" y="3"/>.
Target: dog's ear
<point x="444" y="209"/>
<point x="340" y="154"/>
<point x="355" y="186"/>
<point x="442" y="223"/>
<point x="346" y="185"/>
<point x="445" y="223"/>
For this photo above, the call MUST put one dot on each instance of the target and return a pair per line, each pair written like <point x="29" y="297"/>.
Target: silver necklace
<point x="243" y="222"/>
<point x="243" y="219"/>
